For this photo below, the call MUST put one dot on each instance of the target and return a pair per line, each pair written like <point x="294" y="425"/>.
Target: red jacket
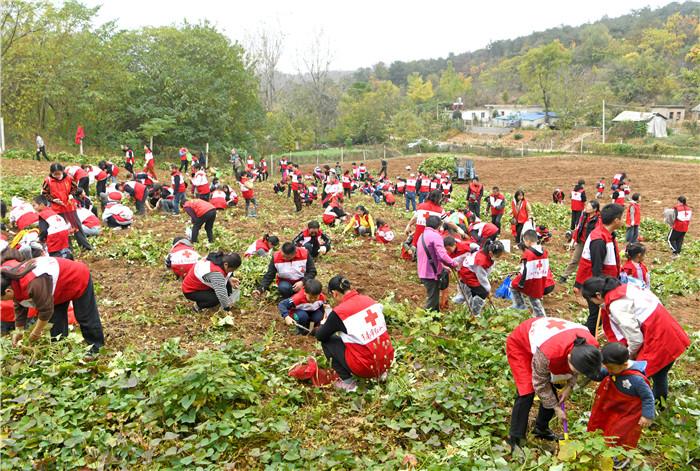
<point x="664" y="339"/>
<point x="368" y="349"/>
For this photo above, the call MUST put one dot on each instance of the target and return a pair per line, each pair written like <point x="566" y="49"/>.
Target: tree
<point x="266" y="50"/>
<point x="541" y="69"/>
<point x="406" y="125"/>
<point x="418" y="90"/>
<point x="157" y="127"/>
<point x="453" y="84"/>
<point x="365" y="111"/>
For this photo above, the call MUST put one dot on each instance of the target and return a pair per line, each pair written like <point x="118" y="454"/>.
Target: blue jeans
<point x="410" y="198"/>
<point x="306" y="317"/>
<point x="179" y="197"/>
<point x="422" y="196"/>
<point x="377" y="197"/>
<point x="285" y="289"/>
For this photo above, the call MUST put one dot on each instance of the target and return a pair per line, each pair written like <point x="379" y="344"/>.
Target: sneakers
<point x="347" y="385"/>
<point x="547" y="434"/>
<point x="620" y="463"/>
<point x="383" y="377"/>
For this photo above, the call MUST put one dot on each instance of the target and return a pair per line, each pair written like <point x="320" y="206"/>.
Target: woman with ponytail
<point x="474" y="275"/>
<point x="209" y="282"/>
<point x="363" y="346"/>
<point x="262" y="247"/>
<point x="50" y="284"/>
<point x="544" y="352"/>
<point x="636" y="318"/>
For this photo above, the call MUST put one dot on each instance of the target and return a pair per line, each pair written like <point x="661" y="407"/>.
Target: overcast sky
<point x="363" y="32"/>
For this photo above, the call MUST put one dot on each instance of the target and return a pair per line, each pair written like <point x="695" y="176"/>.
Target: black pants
<point x="518" y="231"/>
<point x="660" y="382"/>
<point x="84" y="183"/>
<point x="141" y="206"/>
<point x="593" y="310"/>
<point x="475" y="207"/>
<point x="129" y="168"/>
<point x="41" y="151"/>
<point x="297" y="200"/>
<point x="521" y="412"/>
<point x="207" y="220"/>
<point x="289" y="190"/>
<point x="87" y="315"/>
<point x="675" y="240"/>
<point x="334" y="349"/>
<point x="184" y="164"/>
<point x="575" y="216"/>
<point x="432" y="291"/>
<point x="71" y="218"/>
<point x="208" y="298"/>
<point x="496" y="221"/>
<point x="347" y="192"/>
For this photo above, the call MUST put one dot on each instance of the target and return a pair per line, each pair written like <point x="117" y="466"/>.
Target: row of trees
<point x="189" y="84"/>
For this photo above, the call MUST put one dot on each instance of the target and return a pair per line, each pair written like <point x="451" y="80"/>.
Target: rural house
<point x="655" y="122"/>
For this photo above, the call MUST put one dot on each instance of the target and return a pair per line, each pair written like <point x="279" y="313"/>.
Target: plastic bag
<point x="309" y="370"/>
<point x="503" y="290"/>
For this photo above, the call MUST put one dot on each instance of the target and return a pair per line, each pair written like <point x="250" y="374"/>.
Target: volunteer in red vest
<point x="137" y="191"/>
<point x="182" y="256"/>
<point x="618" y="179"/>
<point x="333" y="212"/>
<point x="22" y="214"/>
<point x="633" y="218"/>
<point x="600" y="188"/>
<point x="263" y="246"/>
<point x="115" y="214"/>
<point x="543" y="352"/>
<point x="384" y="233"/>
<point x="636" y="317"/>
<point x="423" y="186"/>
<point x="79" y="176"/>
<point x="410" y="194"/>
<point x="209" y="282"/>
<point x="202" y="213"/>
<point x="129" y="159"/>
<point x="481" y="232"/>
<point x="600" y="255"/>
<point x="305" y="308"/>
<point x="50" y="284"/>
<point x="218" y="199"/>
<point x="58" y="188"/>
<point x="521" y="212"/>
<point x="264" y="174"/>
<point x="200" y="183"/>
<point x="313" y="239"/>
<point x="110" y="168"/>
<point x="290" y="267"/>
<point x="177" y="183"/>
<point x="431" y="207"/>
<point x="54" y="231"/>
<point x="531" y="282"/>
<point x="475" y="191"/>
<point x="589" y="220"/>
<point x="248" y="194"/>
<point x="578" y="202"/>
<point x="149" y="166"/>
<point x="347" y="185"/>
<point x="400" y="186"/>
<point x="362" y="346"/>
<point x="682" y="213"/>
<point x="296" y="186"/>
<point x="497" y="205"/>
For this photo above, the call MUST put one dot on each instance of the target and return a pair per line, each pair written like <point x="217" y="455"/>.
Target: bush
<point x="517" y="136"/>
<point x="437" y="163"/>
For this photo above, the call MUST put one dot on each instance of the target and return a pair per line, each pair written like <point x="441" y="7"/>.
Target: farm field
<point x="175" y="389"/>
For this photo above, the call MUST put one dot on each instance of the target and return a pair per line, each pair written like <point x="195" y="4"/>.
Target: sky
<point x="361" y="33"/>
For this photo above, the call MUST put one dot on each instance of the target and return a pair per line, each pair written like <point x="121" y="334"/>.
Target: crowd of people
<point x="42" y="283"/>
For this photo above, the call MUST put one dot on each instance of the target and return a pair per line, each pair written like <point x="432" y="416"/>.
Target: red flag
<point x="79" y="135"/>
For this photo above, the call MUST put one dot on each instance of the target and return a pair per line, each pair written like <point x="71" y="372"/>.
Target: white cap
<point x="408" y="167"/>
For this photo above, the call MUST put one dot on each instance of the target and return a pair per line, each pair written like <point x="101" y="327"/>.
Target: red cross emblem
<point x="187" y="253"/>
<point x="371" y="318"/>
<point x="554" y="324"/>
<point x="539" y="264"/>
<point x="426" y="215"/>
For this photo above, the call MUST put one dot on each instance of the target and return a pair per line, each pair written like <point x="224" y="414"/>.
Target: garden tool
<point x="567" y="451"/>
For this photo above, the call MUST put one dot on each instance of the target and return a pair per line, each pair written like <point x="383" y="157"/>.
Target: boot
<point x="477" y="304"/>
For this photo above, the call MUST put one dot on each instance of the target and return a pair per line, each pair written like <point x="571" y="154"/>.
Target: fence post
<point x="384" y="149"/>
<point x="206" y="153"/>
<point x="364" y="156"/>
<point x="318" y="156"/>
<point x="341" y="154"/>
<point x="522" y="149"/>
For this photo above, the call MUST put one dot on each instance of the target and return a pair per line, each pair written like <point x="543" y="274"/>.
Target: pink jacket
<point x="435" y="244"/>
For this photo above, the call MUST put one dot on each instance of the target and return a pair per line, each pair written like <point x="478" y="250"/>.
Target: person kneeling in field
<point x="116" y="215"/>
<point x="313" y="239"/>
<point x="624" y="402"/>
<point x="291" y="267"/>
<point x="182" y="257"/>
<point x="362" y="223"/>
<point x="362" y="346"/>
<point x="262" y="247"/>
<point x="531" y="283"/>
<point x="305" y="308"/>
<point x="209" y="283"/>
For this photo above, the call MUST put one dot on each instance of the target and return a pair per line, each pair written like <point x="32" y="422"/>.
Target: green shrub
<point x="518" y="136"/>
<point x="437" y="163"/>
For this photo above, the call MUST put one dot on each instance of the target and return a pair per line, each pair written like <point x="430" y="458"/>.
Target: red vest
<point x="76" y="172"/>
<point x="664" y="339"/>
<point x="302" y="303"/>
<point x="424" y="185"/>
<point x="423" y="211"/>
<point x="683" y="218"/>
<point x="57" y="232"/>
<point x="181" y="187"/>
<point x="218" y="199"/>
<point x="384" y="234"/>
<point x="60" y="189"/>
<point x="200" y="207"/>
<point x="577" y="203"/>
<point x="182" y="259"/>
<point x="469" y="277"/>
<point x="638" y="271"/>
<point x="139" y="189"/>
<point x="537" y="270"/>
<point x="257" y="245"/>
<point x="389" y="198"/>
<point x="475" y="190"/>
<point x="411" y="185"/>
<point x="246" y="192"/>
<point x="368" y="349"/>
<point x="291" y="271"/>
<point x="554" y="338"/>
<point x="70" y="279"/>
<point x="27" y="219"/>
<point x="611" y="263"/>
<point x="87" y="218"/>
<point x="496" y="200"/>
<point x="307" y="237"/>
<point x="617" y="414"/>
<point x="637" y="215"/>
<point x="194" y="280"/>
<point x="521" y="216"/>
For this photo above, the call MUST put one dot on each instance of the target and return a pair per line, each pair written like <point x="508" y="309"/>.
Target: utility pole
<point x="603" y="121"/>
